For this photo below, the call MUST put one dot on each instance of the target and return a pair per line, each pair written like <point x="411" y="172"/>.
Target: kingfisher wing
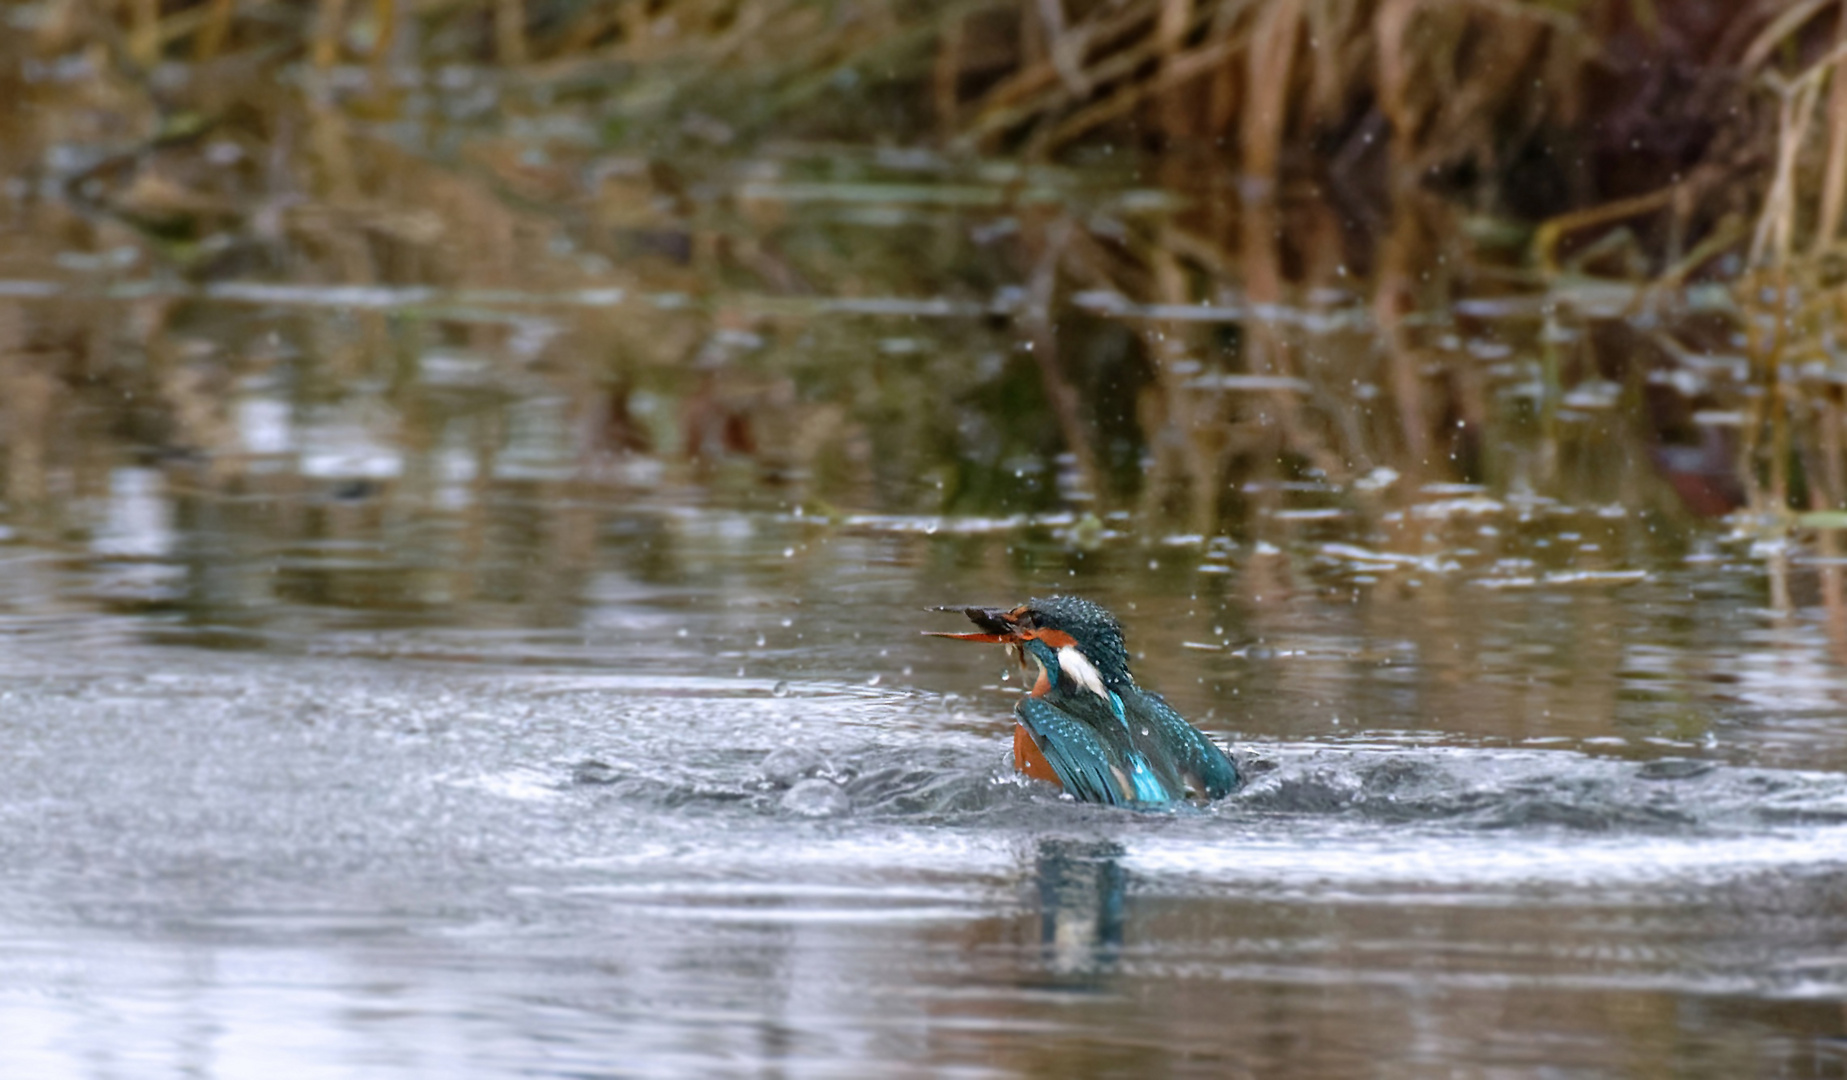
<point x="1074" y="751"/>
<point x="1174" y="743"/>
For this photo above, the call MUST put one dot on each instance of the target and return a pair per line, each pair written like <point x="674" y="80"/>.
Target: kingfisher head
<point x="1077" y="643"/>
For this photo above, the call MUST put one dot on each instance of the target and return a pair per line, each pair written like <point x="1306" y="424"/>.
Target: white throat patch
<point x="1082" y="671"/>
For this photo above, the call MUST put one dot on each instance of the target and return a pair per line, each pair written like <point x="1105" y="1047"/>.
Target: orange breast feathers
<point x="1028" y="760"/>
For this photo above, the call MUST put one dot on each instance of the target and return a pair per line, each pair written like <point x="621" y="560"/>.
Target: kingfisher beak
<point x="996" y="626"/>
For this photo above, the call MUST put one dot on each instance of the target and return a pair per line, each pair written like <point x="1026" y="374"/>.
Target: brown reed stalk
<point x="1776" y="223"/>
<point x="1723" y="237"/>
<point x="143" y="31"/>
<point x="1828" y="483"/>
<point x="1033" y="49"/>
<point x="1778" y="31"/>
<point x="1182" y="416"/>
<point x="1224" y="95"/>
<point x="216" y="29"/>
<point x="1834" y="179"/>
<point x="1271" y="349"/>
<point x="1037" y="85"/>
<point x="1827" y="545"/>
<point x="1042" y="335"/>
<point x="1063" y="46"/>
<point x="29" y="410"/>
<point x="1546" y="238"/>
<point x="385" y="16"/>
<point x="1781" y="406"/>
<point x="1390" y="29"/>
<point x="1180" y="69"/>
<point x="510" y="31"/>
<point x="1170" y="30"/>
<point x="1268" y="74"/>
<point x="585" y="29"/>
<point x="1766" y="320"/>
<point x="946" y="77"/>
<point x="329" y="24"/>
<point x="1401" y="252"/>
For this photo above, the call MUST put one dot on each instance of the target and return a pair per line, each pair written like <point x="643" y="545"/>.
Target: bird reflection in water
<point x="1082" y="889"/>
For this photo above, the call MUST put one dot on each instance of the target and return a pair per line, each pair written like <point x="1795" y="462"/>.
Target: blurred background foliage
<point x="1179" y="260"/>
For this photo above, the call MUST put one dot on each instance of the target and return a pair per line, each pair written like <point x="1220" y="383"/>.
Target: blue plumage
<point x="1105" y="738"/>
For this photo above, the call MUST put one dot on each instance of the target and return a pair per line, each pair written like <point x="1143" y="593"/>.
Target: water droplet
<point x="781" y="689"/>
<point x="788" y="623"/>
<point x="761" y="642"/>
<point x="874" y="681"/>
<point x="788" y="553"/>
<point x="681" y="632"/>
<point x="1144" y="731"/>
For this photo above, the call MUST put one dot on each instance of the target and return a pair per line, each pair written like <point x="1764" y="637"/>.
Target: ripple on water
<point x="571" y="852"/>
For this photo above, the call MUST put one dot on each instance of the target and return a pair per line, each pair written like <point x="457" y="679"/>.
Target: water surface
<point x="711" y="805"/>
<point x="462" y="559"/>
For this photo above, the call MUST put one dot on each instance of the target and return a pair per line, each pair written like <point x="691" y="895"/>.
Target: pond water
<point x="464" y="570"/>
<point x="694" y="796"/>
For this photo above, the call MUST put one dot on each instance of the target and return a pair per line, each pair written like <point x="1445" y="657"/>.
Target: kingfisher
<point x="1084" y="724"/>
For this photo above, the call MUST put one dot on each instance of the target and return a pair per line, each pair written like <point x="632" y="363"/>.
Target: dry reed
<point x="1282" y="122"/>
